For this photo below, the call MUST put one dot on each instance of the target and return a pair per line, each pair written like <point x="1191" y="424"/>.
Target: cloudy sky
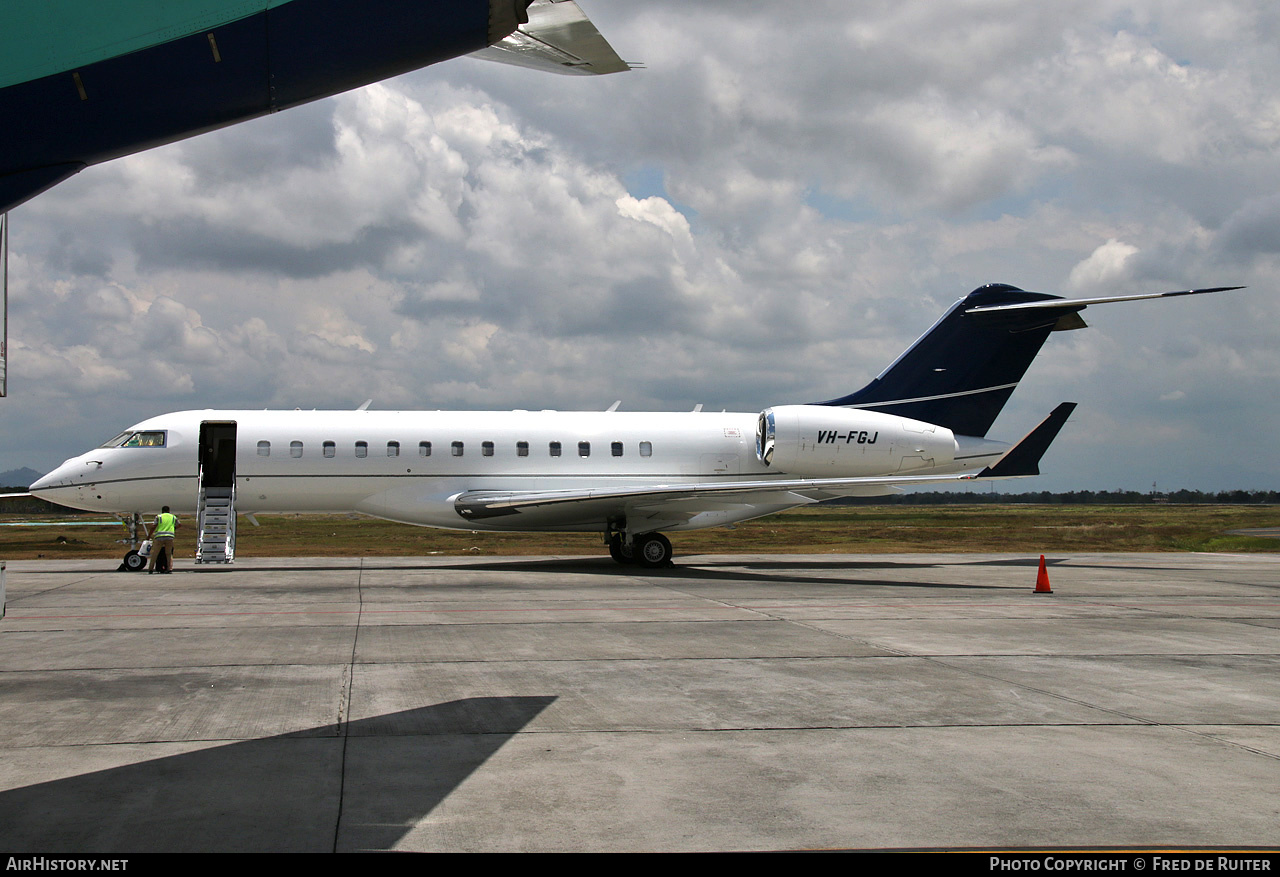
<point x="770" y="212"/>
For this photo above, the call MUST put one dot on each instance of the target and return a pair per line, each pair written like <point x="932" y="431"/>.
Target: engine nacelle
<point x="817" y="441"/>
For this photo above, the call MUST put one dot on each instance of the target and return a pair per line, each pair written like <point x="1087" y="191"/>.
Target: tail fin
<point x="961" y="372"/>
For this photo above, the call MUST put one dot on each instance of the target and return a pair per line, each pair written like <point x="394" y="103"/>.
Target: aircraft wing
<point x="677" y="502"/>
<point x="558" y="38"/>
<point x="687" y="499"/>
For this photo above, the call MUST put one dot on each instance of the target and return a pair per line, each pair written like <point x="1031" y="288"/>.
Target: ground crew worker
<point x="166" y="528"/>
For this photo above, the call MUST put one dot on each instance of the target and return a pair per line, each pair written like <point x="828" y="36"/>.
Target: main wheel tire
<point x="653" y="550"/>
<point x="620" y="551"/>
<point x="135" y="562"/>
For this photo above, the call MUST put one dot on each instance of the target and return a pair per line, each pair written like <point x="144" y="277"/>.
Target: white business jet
<point x="628" y="476"/>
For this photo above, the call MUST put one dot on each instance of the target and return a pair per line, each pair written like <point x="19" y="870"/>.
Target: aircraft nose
<point x="47" y="482"/>
<point x="72" y="473"/>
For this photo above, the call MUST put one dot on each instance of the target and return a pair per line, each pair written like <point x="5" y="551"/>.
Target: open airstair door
<point x="217" y="503"/>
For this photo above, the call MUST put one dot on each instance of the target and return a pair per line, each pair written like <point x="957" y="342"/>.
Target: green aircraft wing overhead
<point x="86" y="81"/>
<point x="44" y="37"/>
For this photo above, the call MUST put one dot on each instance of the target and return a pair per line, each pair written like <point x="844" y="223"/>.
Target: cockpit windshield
<point x="131" y="439"/>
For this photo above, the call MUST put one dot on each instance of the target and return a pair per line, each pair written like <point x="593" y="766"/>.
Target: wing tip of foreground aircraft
<point x="555" y="36"/>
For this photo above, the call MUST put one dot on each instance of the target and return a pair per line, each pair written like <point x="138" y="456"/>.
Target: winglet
<point x="1024" y="457"/>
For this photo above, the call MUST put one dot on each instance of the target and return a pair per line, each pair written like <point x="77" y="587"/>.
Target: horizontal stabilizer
<point x="1057" y="304"/>
<point x="1024" y="457"/>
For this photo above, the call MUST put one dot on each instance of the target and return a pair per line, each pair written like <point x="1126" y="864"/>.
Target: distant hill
<point x="19" y="477"/>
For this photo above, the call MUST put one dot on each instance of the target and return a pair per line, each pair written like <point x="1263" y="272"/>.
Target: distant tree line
<point x="32" y="506"/>
<point x="1074" y="497"/>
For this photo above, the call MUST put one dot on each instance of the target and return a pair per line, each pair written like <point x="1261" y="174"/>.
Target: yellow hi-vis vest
<point x="166" y="524"/>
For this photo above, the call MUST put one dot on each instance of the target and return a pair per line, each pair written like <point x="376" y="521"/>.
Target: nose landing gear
<point x="133" y="561"/>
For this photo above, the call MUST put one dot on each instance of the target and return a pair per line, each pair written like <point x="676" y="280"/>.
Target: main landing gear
<point x="650" y="550"/>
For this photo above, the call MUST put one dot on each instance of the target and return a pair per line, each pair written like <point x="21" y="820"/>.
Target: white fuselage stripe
<point x="932" y="398"/>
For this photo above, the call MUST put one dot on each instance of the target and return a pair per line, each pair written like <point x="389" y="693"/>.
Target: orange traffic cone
<point x="1042" y="579"/>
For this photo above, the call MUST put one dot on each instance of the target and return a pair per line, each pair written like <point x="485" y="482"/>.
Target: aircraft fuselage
<point x="411" y="466"/>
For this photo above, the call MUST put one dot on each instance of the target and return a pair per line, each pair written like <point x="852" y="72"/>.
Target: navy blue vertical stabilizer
<point x="961" y="372"/>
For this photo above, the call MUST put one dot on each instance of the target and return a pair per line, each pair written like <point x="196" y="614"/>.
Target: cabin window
<point x="555" y="449"/>
<point x="424" y="449"/>
<point x="486" y="448"/>
<point x="330" y="449"/>
<point x="522" y="449"/>
<point x="456" y="449"/>
<point x="362" y="449"/>
<point x="393" y="449"/>
<point x="646" y="449"/>
<point x="584" y="449"/>
<point x="616" y="449"/>
<point x="264" y="449"/>
<point x="295" y="449"/>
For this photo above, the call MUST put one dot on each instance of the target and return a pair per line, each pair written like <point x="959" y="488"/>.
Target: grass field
<point x="1033" y="529"/>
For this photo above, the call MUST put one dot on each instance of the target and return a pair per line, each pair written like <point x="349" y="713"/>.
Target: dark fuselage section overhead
<point x="234" y="67"/>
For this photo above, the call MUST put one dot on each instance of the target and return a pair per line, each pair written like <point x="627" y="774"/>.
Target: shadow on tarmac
<point x="360" y="786"/>
<point x="789" y="571"/>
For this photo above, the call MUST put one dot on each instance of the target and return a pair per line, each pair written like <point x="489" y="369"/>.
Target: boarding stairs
<point x="217" y="521"/>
